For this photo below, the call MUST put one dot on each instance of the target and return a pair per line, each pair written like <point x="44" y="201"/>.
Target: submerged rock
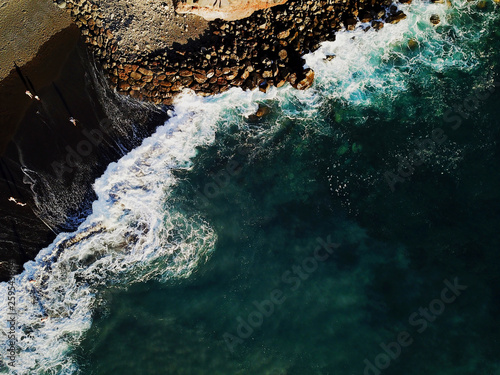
<point x="435" y="20"/>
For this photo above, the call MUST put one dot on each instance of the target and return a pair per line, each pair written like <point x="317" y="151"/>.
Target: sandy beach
<point x="26" y="25"/>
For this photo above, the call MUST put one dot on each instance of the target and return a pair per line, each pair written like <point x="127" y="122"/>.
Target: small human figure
<point x="72" y="120"/>
<point x="12" y="199"/>
<point x="28" y="92"/>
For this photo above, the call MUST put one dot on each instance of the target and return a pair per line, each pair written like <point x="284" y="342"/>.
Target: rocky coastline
<point x="262" y="50"/>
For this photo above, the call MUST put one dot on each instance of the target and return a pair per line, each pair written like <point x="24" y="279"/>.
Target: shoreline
<point x="37" y="200"/>
<point x="262" y="50"/>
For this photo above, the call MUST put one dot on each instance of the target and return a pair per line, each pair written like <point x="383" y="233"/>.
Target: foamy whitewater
<point x="137" y="232"/>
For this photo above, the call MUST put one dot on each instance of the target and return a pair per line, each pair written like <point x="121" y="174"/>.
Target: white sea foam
<point x="133" y="234"/>
<point x="370" y="65"/>
<point x="136" y="232"/>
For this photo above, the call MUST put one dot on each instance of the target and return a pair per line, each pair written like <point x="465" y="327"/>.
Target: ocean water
<point x="352" y="229"/>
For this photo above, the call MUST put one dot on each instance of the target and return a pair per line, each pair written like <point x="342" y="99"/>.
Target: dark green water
<point x="352" y="229"/>
<point x="286" y="181"/>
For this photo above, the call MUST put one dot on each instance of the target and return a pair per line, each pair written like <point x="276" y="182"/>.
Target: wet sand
<point x="34" y="135"/>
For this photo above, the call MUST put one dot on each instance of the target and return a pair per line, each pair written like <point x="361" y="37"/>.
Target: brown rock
<point x="412" y="44"/>
<point x="435" y="19"/>
<point x="377" y="25"/>
<point x="237" y="82"/>
<point x="136" y="76"/>
<point x="185" y="73"/>
<point x="145" y="71"/>
<point x="177" y="86"/>
<point x="200" y="78"/>
<point x="283" y="54"/>
<point x="245" y="75"/>
<point x="284" y="34"/>
<point x="307" y="81"/>
<point x="264" y="86"/>
<point x="262" y="111"/>
<point x="350" y="23"/>
<point x="210" y="73"/>
<point x="395" y="18"/>
<point x="124" y="86"/>
<point x="281" y="83"/>
<point x="267" y="74"/>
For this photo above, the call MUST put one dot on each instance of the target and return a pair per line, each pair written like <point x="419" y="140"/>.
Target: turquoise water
<point x="353" y="229"/>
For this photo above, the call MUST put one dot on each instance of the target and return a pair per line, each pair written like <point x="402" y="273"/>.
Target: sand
<point x="149" y="25"/>
<point x="25" y="25"/>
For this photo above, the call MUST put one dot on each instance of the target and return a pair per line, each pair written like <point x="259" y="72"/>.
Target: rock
<point x="412" y="44"/>
<point x="210" y="73"/>
<point x="283" y="54"/>
<point x="232" y="74"/>
<point x="200" y="78"/>
<point x="124" y="86"/>
<point x="185" y="73"/>
<point x="284" y="34"/>
<point x="264" y="86"/>
<point x="365" y="16"/>
<point x="177" y="86"/>
<point x="397" y="17"/>
<point x="61" y="4"/>
<point x="329" y="58"/>
<point x="267" y="74"/>
<point x="482" y="4"/>
<point x="145" y="71"/>
<point x="377" y="25"/>
<point x="280" y="83"/>
<point x="136" y="76"/>
<point x="222" y="81"/>
<point x="307" y="81"/>
<point x="262" y="110"/>
<point x="350" y="23"/>
<point x="435" y="20"/>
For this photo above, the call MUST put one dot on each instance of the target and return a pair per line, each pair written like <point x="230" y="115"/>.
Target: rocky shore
<point x="262" y="50"/>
